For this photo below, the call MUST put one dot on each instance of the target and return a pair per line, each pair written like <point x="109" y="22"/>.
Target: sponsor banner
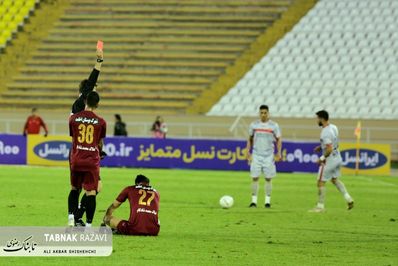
<point x="200" y="154"/>
<point x="12" y="149"/>
<point x="55" y="241"/>
<point x="175" y="153"/>
<point x="205" y="154"/>
<point x="298" y="157"/>
<point x="374" y="159"/>
<point x="171" y="153"/>
<point x="48" y="151"/>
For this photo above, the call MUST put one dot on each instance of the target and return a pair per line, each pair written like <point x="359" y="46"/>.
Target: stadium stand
<point x="341" y="56"/>
<point x="159" y="54"/>
<point x="13" y="15"/>
<point x="24" y="42"/>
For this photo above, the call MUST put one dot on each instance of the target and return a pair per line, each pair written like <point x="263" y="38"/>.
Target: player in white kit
<point x="262" y="136"/>
<point x="330" y="162"/>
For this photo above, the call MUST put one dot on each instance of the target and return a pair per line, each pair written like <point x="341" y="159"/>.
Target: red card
<point x="100" y="45"/>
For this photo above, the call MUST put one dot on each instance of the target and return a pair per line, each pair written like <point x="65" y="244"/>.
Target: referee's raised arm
<point x="100" y="59"/>
<point x="87" y="85"/>
<point x="93" y="78"/>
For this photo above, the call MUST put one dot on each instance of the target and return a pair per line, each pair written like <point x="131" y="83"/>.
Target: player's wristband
<point x="322" y="158"/>
<point x="100" y="60"/>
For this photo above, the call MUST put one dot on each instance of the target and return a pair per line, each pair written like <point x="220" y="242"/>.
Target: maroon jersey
<point x="86" y="129"/>
<point x="144" y="208"/>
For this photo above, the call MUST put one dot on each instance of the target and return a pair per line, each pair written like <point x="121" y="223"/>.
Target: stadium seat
<point x="342" y="51"/>
<point x="13" y="14"/>
<point x="153" y="48"/>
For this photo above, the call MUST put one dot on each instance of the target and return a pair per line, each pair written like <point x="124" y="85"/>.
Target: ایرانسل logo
<point x="53" y="150"/>
<point x="368" y="159"/>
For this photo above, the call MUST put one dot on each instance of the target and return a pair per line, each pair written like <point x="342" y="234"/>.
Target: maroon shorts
<point x="86" y="179"/>
<point x="126" y="228"/>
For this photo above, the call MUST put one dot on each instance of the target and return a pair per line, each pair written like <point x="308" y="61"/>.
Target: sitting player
<point x="144" y="208"/>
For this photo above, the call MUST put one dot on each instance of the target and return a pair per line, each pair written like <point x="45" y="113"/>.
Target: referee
<point x="88" y="85"/>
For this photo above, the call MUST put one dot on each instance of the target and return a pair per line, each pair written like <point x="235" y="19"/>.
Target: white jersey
<point x="264" y="135"/>
<point x="330" y="135"/>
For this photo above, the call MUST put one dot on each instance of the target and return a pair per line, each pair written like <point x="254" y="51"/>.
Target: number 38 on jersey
<point x="86" y="134"/>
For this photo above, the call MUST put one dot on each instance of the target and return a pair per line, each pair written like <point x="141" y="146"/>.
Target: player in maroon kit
<point x="85" y="87"/>
<point x="87" y="131"/>
<point x="144" y="209"/>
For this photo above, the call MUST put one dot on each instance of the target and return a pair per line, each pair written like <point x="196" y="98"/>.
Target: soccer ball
<point x="226" y="202"/>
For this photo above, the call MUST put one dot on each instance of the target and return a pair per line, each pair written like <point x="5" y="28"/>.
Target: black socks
<point x="73" y="201"/>
<point x="90" y="208"/>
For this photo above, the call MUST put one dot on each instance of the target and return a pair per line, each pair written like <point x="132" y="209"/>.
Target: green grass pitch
<point x="196" y="231"/>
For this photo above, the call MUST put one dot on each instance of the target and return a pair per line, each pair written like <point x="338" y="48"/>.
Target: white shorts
<point x="261" y="164"/>
<point x="329" y="170"/>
